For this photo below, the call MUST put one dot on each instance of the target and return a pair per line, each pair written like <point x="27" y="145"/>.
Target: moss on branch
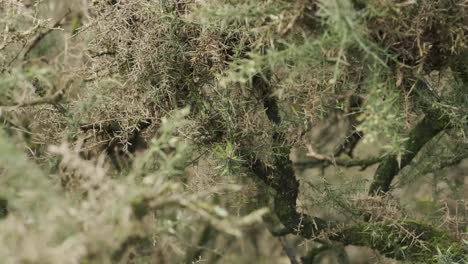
<point x="425" y="130"/>
<point x="282" y="177"/>
<point x="407" y="240"/>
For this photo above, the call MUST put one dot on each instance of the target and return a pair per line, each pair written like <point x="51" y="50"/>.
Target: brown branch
<point x="53" y="99"/>
<point x="354" y="135"/>
<point x="446" y="163"/>
<point x="8" y="65"/>
<point x="430" y="126"/>
<point x="41" y="36"/>
<point x="324" y="160"/>
<point x="349" y="143"/>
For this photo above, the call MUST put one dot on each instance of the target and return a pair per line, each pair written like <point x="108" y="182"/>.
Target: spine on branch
<point x="406" y="240"/>
<point x="430" y="126"/>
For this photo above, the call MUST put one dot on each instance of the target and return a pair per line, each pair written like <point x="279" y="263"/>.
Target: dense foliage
<point x="233" y="131"/>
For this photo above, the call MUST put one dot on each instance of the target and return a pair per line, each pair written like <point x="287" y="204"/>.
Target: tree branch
<point x="430" y="126"/>
<point x="324" y="160"/>
<point x="406" y="240"/>
<point x="53" y="99"/>
<point x="354" y="135"/>
<point x="424" y="131"/>
<point x="41" y="36"/>
<point x="282" y="177"/>
<point x="349" y="143"/>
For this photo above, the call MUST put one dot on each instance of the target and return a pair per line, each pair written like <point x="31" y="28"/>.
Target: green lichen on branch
<point x="282" y="177"/>
<point x="424" y="131"/>
<point x="406" y="240"/>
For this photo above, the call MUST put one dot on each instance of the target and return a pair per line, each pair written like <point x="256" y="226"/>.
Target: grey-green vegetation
<point x="230" y="131"/>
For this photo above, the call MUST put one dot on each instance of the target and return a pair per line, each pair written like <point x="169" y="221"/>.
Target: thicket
<point x="158" y="131"/>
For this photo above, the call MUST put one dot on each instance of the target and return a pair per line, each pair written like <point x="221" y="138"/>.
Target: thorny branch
<point x="430" y="126"/>
<point x="53" y="99"/>
<point x="41" y="36"/>
<point x="282" y="177"/>
<point x="324" y="160"/>
<point x="354" y="135"/>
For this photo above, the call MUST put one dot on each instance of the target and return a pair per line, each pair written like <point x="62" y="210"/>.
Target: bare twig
<point x="324" y="160"/>
<point x="281" y="176"/>
<point x="39" y="37"/>
<point x="354" y="135"/>
<point x="349" y="143"/>
<point x="447" y="163"/>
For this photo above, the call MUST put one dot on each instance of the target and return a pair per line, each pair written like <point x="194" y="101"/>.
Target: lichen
<point x="406" y="240"/>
